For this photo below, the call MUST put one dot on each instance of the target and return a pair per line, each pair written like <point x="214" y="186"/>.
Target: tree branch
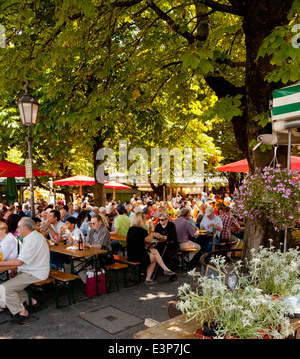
<point x="164" y="16"/>
<point x="235" y="10"/>
<point x="223" y="87"/>
<point x="126" y="3"/>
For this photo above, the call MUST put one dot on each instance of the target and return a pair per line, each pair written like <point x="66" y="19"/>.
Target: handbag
<point x="91" y="283"/>
<point x="106" y="259"/>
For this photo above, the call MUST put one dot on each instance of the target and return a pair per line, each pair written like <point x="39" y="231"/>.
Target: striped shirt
<point x="100" y="236"/>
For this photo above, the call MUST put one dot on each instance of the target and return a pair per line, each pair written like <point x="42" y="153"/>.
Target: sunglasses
<point x="162" y="219"/>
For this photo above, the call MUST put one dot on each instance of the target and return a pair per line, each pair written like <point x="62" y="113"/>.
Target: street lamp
<point x="28" y="108"/>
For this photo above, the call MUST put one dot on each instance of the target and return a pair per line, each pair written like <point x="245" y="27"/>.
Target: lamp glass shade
<point x="28" y="108"/>
<point x="28" y="112"/>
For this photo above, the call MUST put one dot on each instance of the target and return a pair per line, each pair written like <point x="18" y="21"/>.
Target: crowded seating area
<point x="143" y="234"/>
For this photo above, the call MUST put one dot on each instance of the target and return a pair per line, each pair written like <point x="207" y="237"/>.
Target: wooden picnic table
<point x="179" y="328"/>
<point x="7" y="269"/>
<point x="74" y="253"/>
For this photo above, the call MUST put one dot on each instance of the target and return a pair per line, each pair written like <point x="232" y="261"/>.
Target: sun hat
<point x="209" y="210"/>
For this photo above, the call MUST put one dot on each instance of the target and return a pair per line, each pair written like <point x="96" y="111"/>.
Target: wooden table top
<point x="175" y="328"/>
<point x="5" y="269"/>
<point x="179" y="328"/>
<point x="86" y="252"/>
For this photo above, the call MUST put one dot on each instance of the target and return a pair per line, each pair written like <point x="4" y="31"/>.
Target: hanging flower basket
<point x="271" y="193"/>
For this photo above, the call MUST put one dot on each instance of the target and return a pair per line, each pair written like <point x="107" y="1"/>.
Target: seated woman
<point x="137" y="238"/>
<point x="9" y="245"/>
<point x="12" y="224"/>
<point x="166" y="230"/>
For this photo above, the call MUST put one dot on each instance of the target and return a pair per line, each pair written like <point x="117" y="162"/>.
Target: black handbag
<point x="106" y="259"/>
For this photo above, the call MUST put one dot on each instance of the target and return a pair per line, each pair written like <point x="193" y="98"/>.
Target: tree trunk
<point x="99" y="192"/>
<point x="260" y="19"/>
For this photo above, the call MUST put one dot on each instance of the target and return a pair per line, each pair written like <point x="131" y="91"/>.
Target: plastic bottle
<point x="1" y="255"/>
<point x="56" y="240"/>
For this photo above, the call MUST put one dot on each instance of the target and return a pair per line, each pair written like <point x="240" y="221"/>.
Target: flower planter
<point x="199" y="334"/>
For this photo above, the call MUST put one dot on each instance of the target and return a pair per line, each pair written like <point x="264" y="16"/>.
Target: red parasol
<point x="10" y="169"/>
<point x="242" y="165"/>
<point x="88" y="181"/>
<point x="76" y="181"/>
<point x="115" y="185"/>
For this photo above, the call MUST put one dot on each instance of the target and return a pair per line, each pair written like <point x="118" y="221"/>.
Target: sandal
<point x="150" y="281"/>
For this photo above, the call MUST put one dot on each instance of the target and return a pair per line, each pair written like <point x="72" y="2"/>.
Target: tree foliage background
<point x="158" y="73"/>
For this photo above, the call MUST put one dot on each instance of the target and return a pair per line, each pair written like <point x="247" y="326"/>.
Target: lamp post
<point x="28" y="108"/>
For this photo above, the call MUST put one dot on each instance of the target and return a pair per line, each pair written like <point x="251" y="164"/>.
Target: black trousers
<point x="169" y="256"/>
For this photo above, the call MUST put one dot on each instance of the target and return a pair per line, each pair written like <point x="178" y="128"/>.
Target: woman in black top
<point x="137" y="239"/>
<point x="165" y="229"/>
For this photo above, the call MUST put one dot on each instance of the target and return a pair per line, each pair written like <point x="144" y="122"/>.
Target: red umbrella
<point x="239" y="166"/>
<point x="76" y="181"/>
<point x="10" y="169"/>
<point x="242" y="165"/>
<point x="114" y="185"/>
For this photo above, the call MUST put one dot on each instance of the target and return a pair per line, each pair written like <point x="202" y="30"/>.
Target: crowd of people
<point x="176" y="225"/>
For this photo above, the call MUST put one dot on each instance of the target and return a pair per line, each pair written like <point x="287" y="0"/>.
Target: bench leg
<point x="108" y="275"/>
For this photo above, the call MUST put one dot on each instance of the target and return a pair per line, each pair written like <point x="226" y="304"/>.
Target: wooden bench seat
<point x="67" y="279"/>
<point x="123" y="259"/>
<point x="114" y="268"/>
<point x="135" y="266"/>
<point x="42" y="286"/>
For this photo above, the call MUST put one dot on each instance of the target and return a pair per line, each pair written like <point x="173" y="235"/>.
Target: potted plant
<point x="245" y="312"/>
<point x="274" y="272"/>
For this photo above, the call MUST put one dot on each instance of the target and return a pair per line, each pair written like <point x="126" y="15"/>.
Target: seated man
<point x="52" y="229"/>
<point x="33" y="266"/>
<point x="98" y="237"/>
<point x="185" y="230"/>
<point x="209" y="222"/>
<point x="52" y="225"/>
<point x="228" y="221"/>
<point x="121" y="226"/>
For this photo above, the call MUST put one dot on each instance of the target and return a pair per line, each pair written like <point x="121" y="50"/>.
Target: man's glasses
<point x="162" y="219"/>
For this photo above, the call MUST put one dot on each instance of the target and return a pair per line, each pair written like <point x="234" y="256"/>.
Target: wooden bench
<point x="41" y="286"/>
<point x="115" y="268"/>
<point x="184" y="254"/>
<point x="67" y="279"/>
<point x="225" y="245"/>
<point x="135" y="266"/>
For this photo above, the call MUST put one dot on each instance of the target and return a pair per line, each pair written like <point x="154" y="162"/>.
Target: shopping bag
<point x="91" y="286"/>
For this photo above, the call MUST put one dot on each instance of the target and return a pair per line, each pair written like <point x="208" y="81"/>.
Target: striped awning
<point x="286" y="103"/>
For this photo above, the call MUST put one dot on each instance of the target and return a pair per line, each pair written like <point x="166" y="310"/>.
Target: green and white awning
<point x="286" y="103"/>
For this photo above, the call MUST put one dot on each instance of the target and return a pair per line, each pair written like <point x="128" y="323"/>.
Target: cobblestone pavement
<point x="133" y="305"/>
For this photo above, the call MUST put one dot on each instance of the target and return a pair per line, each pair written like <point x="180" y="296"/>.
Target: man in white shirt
<point x="209" y="222"/>
<point x="53" y="224"/>
<point x="33" y="266"/>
